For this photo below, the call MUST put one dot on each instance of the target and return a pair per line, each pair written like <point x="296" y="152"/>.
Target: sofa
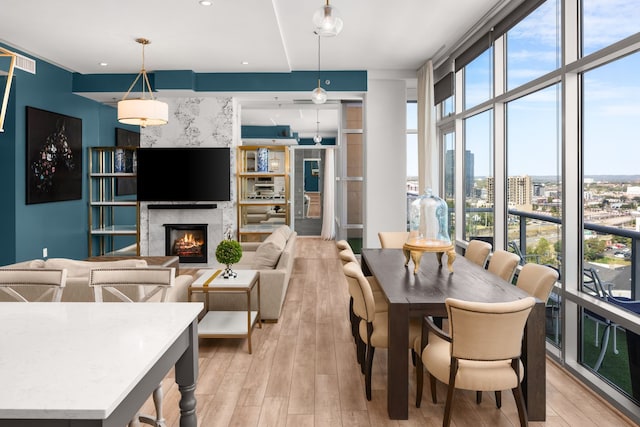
<point x="273" y="258"/>
<point x="77" y="286"/>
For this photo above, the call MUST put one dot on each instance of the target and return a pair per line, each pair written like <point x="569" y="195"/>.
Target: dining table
<point x="93" y="364"/>
<point x="423" y="293"/>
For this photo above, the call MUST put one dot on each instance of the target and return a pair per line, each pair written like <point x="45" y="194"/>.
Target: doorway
<point x="308" y="190"/>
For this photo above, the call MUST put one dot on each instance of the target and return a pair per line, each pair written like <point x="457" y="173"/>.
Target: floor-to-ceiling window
<point x="547" y="102"/>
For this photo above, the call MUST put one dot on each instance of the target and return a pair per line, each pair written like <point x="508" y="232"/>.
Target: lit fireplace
<point x="187" y="241"/>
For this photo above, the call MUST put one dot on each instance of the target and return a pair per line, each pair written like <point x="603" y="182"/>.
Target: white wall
<point x="385" y="159"/>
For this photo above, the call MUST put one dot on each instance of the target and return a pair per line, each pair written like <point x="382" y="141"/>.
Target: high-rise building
<point x="519" y="191"/>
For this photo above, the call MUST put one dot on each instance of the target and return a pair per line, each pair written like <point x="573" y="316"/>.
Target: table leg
<point x="249" y="320"/>
<point x="186" y="372"/>
<point x="534" y="360"/>
<point x="398" y="362"/>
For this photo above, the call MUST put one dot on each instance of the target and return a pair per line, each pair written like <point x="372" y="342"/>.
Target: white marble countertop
<point x="80" y="360"/>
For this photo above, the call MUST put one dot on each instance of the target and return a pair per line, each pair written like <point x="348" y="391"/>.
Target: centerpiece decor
<point x="428" y="231"/>
<point x="228" y="253"/>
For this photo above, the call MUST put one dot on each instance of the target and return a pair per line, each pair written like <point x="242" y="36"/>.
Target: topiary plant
<point x="228" y="252"/>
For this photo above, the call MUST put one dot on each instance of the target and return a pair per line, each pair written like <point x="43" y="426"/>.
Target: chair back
<point x="343" y="244"/>
<point x="537" y="280"/>
<point x="33" y="285"/>
<point x="487" y="331"/>
<point x="478" y="252"/>
<point x="393" y="239"/>
<point x="149" y="281"/>
<point x="364" y="305"/>
<point x="504" y="264"/>
<point x="347" y="256"/>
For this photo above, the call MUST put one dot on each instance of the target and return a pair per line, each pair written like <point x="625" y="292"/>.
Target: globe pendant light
<point x="317" y="138"/>
<point x="319" y="95"/>
<point x="326" y="21"/>
<point x="142" y="111"/>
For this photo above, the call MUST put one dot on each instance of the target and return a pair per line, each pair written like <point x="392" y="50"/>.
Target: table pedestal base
<point x="414" y="253"/>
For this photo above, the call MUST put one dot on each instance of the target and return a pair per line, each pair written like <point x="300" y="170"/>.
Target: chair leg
<point x="432" y="381"/>
<point x="361" y="349"/>
<point x="419" y="381"/>
<point x="450" y="393"/>
<point x="158" y="420"/>
<point x="498" y="399"/>
<point x="367" y="376"/>
<point x="478" y="397"/>
<point x="522" y="410"/>
<point x="603" y="349"/>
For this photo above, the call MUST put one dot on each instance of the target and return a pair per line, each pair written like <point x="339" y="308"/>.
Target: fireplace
<point x="187" y="241"/>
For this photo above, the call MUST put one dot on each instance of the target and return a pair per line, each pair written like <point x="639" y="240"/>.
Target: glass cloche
<point x="429" y="221"/>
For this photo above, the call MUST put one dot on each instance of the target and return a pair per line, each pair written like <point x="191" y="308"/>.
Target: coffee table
<point x="228" y="324"/>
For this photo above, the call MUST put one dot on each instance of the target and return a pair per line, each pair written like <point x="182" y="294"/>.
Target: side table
<point x="228" y="324"/>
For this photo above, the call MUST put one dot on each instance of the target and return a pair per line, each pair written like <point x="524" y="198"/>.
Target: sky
<point x="611" y="97"/>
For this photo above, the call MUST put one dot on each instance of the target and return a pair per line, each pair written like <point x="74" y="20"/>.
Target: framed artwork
<point x="54" y="157"/>
<point x="126" y="161"/>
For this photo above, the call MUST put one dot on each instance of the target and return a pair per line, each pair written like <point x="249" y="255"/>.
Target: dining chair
<point x="343" y="244"/>
<point x="503" y="264"/>
<point x="481" y="352"/>
<point x="374" y="325"/>
<point x="33" y="285"/>
<point x="148" y="282"/>
<point x="537" y="280"/>
<point x="393" y="239"/>
<point x="478" y="252"/>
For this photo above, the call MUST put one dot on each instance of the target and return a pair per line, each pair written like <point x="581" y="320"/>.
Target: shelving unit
<point x="263" y="191"/>
<point x="112" y="215"/>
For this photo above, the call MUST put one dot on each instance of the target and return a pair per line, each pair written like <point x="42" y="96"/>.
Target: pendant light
<point x="317" y="138"/>
<point x="319" y="95"/>
<point x="142" y="111"/>
<point x="326" y="21"/>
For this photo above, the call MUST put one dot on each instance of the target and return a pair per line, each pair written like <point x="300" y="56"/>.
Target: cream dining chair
<point x="149" y="282"/>
<point x="482" y="351"/>
<point x="374" y="325"/>
<point x="478" y="252"/>
<point x="393" y="239"/>
<point x="33" y="285"/>
<point x="504" y="264"/>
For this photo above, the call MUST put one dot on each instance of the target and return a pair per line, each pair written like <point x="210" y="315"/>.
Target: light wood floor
<point x="303" y="371"/>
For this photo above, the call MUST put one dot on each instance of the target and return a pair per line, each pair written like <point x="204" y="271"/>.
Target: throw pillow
<point x="268" y="253"/>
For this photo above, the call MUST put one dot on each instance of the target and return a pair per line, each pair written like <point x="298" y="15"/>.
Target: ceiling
<point x="270" y="36"/>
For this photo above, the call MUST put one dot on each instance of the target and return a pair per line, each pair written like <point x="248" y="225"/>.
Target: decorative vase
<point x="262" y="165"/>
<point x="228" y="273"/>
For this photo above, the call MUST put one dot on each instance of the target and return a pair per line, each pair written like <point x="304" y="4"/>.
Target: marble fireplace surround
<point x="154" y="216"/>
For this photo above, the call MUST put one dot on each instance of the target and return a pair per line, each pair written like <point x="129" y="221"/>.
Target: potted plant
<point x="228" y="253"/>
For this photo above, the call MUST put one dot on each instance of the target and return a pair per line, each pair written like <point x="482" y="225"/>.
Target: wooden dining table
<point x="424" y="293"/>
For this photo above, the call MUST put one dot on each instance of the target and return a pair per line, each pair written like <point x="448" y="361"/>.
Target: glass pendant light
<point x="317" y="138"/>
<point x="319" y="95"/>
<point x="326" y="21"/>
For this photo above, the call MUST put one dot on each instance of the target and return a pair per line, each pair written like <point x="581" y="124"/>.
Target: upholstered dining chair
<point x="478" y="252"/>
<point x="482" y="351"/>
<point x="504" y="264"/>
<point x="393" y="239"/>
<point x="343" y="244"/>
<point x="374" y="325"/>
<point x="537" y="280"/>
<point x="33" y="285"/>
<point x="149" y="282"/>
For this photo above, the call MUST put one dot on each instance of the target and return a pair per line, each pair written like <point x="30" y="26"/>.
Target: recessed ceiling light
<point x="205" y="2"/>
<point x="245" y="62"/>
<point x="103" y="64"/>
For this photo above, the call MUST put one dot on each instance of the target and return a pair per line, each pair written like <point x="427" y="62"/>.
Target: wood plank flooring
<point x="303" y="371"/>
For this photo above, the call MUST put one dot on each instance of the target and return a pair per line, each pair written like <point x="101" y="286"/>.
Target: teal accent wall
<point x="266" y="132"/>
<point x="61" y="227"/>
<point x="310" y="141"/>
<point x="305" y="81"/>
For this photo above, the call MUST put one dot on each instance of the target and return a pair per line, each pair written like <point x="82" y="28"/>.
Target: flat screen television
<point x="183" y="174"/>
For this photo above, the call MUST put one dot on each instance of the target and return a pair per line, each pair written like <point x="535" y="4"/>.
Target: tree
<point x="593" y="249"/>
